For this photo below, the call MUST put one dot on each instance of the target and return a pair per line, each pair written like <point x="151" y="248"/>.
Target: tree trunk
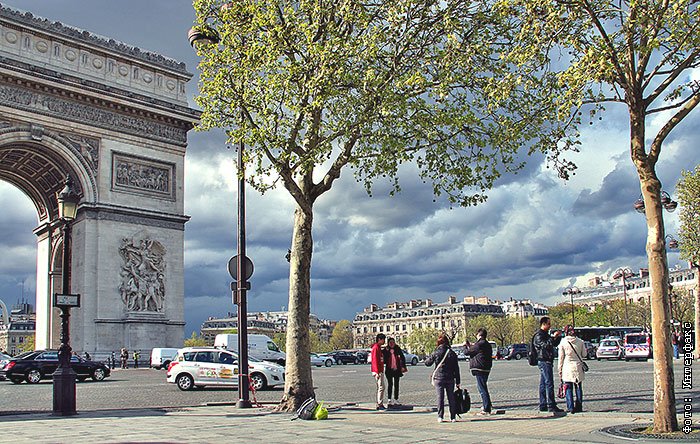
<point x="665" y="419"/>
<point x="298" y="384"/>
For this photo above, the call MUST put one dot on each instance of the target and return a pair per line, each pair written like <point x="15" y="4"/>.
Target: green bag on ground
<point x="321" y="412"/>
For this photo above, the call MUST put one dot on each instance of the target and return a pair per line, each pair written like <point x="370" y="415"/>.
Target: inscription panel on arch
<point x="139" y="175"/>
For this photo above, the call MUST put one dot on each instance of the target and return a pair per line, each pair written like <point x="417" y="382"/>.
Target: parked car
<point x="516" y="351"/>
<point x="37" y="365"/>
<point x="590" y="350"/>
<point x="321" y="360"/>
<point x="610" y="349"/>
<point x="162" y="357"/>
<point x="202" y="366"/>
<point x="362" y="356"/>
<point x="4" y="359"/>
<point x="344" y="357"/>
<point x="410" y="358"/>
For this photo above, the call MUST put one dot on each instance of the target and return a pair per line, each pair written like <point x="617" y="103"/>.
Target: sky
<point x="535" y="235"/>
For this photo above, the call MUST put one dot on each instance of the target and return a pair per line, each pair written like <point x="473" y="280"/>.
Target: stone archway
<point x="115" y="119"/>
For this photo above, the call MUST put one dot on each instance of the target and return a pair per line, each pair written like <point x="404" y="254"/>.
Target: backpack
<point x="463" y="402"/>
<point x="532" y="352"/>
<point x="307" y="409"/>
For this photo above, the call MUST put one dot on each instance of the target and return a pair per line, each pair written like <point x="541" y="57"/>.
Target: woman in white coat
<point x="571" y="351"/>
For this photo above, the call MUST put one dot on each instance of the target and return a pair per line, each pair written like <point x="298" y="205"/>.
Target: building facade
<point x="17" y="335"/>
<point x="263" y="323"/>
<point x="602" y="288"/>
<point x="399" y="319"/>
<point x="524" y="308"/>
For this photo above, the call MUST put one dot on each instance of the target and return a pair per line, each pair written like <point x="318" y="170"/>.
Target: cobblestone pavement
<point x="355" y="425"/>
<point x="610" y="387"/>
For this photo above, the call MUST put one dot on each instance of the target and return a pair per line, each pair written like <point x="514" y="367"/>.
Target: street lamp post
<point x="571" y="291"/>
<point x="64" y="376"/>
<point x="624" y="273"/>
<point x="240" y="267"/>
<point x="522" y="322"/>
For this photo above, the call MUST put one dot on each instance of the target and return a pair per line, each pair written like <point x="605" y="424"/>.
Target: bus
<point x="595" y="334"/>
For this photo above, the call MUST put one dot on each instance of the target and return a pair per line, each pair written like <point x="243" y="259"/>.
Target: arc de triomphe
<point x="115" y="119"/>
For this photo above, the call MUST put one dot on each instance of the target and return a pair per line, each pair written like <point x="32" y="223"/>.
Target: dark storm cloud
<point x="533" y="236"/>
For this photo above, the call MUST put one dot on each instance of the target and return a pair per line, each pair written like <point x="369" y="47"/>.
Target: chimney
<point x="451" y="300"/>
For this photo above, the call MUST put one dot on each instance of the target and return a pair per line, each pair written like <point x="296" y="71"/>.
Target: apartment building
<point x="399" y="319"/>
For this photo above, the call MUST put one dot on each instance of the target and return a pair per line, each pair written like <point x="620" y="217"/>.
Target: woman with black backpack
<point x="445" y="376"/>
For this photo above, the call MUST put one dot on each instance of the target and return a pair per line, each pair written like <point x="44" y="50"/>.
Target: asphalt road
<point x="609" y="386"/>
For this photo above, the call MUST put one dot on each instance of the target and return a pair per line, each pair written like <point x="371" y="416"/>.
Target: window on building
<point x="403" y="327"/>
<point x="374" y="329"/>
<point x="420" y="325"/>
<point x="381" y="329"/>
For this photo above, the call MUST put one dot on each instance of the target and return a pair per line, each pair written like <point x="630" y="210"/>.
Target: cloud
<point x="534" y="235"/>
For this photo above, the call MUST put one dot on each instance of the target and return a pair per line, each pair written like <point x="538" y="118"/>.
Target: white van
<point x="259" y="346"/>
<point x="162" y="357"/>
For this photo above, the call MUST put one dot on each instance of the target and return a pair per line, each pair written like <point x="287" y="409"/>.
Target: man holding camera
<point x="545" y="344"/>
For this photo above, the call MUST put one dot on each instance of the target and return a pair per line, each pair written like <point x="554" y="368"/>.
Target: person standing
<point x="544" y="345"/>
<point x="480" y="362"/>
<point x="377" y="369"/>
<point x="675" y="341"/>
<point x="445" y="376"/>
<point x="571" y="371"/>
<point x="124" y="356"/>
<point x="112" y="360"/>
<point x="137" y="355"/>
<point x="395" y="367"/>
<point x="86" y="356"/>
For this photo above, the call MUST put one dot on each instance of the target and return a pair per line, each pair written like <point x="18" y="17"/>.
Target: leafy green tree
<point x="422" y="341"/>
<point x="195" y="341"/>
<point x="280" y="339"/>
<point x="688" y="190"/>
<point x="637" y="53"/>
<point x="318" y="345"/>
<point x="316" y="87"/>
<point x="341" y="337"/>
<point x="27" y="345"/>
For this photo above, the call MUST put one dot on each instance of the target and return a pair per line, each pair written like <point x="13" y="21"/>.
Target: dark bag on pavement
<point x="463" y="401"/>
<point x="532" y="352"/>
<point x="307" y="409"/>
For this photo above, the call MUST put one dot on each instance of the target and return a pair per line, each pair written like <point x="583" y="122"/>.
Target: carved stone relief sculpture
<point x="142" y="275"/>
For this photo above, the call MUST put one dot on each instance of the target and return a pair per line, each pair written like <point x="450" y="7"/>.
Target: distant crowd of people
<point x="388" y="365"/>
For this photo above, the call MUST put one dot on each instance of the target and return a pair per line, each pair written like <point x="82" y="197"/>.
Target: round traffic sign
<point x="233" y="267"/>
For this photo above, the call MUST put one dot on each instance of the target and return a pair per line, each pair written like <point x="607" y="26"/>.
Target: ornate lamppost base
<point x="64" y="392"/>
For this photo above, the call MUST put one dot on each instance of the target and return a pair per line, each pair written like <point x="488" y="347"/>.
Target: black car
<point x="517" y="351"/>
<point x="37" y="365"/>
<point x="343" y="357"/>
<point x="362" y="356"/>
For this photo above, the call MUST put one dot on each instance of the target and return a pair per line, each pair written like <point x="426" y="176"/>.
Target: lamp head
<point x="68" y="201"/>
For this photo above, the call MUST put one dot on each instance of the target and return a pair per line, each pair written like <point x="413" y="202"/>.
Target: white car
<point x="201" y="366"/>
<point x="321" y="360"/>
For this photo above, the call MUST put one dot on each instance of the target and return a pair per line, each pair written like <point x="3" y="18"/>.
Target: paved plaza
<point x="136" y="405"/>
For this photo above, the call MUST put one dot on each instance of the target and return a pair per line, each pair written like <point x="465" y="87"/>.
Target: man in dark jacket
<point x="544" y="345"/>
<point x="480" y="362"/>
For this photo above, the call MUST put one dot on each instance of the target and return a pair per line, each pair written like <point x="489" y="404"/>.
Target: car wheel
<point x="98" y="374"/>
<point x="184" y="382"/>
<point x="328" y="363"/>
<point x="517" y="356"/>
<point x="33" y="376"/>
<point x="357" y="361"/>
<point x="597" y="359"/>
<point x="414" y="361"/>
<point x="258" y="381"/>
<point x="16" y="380"/>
